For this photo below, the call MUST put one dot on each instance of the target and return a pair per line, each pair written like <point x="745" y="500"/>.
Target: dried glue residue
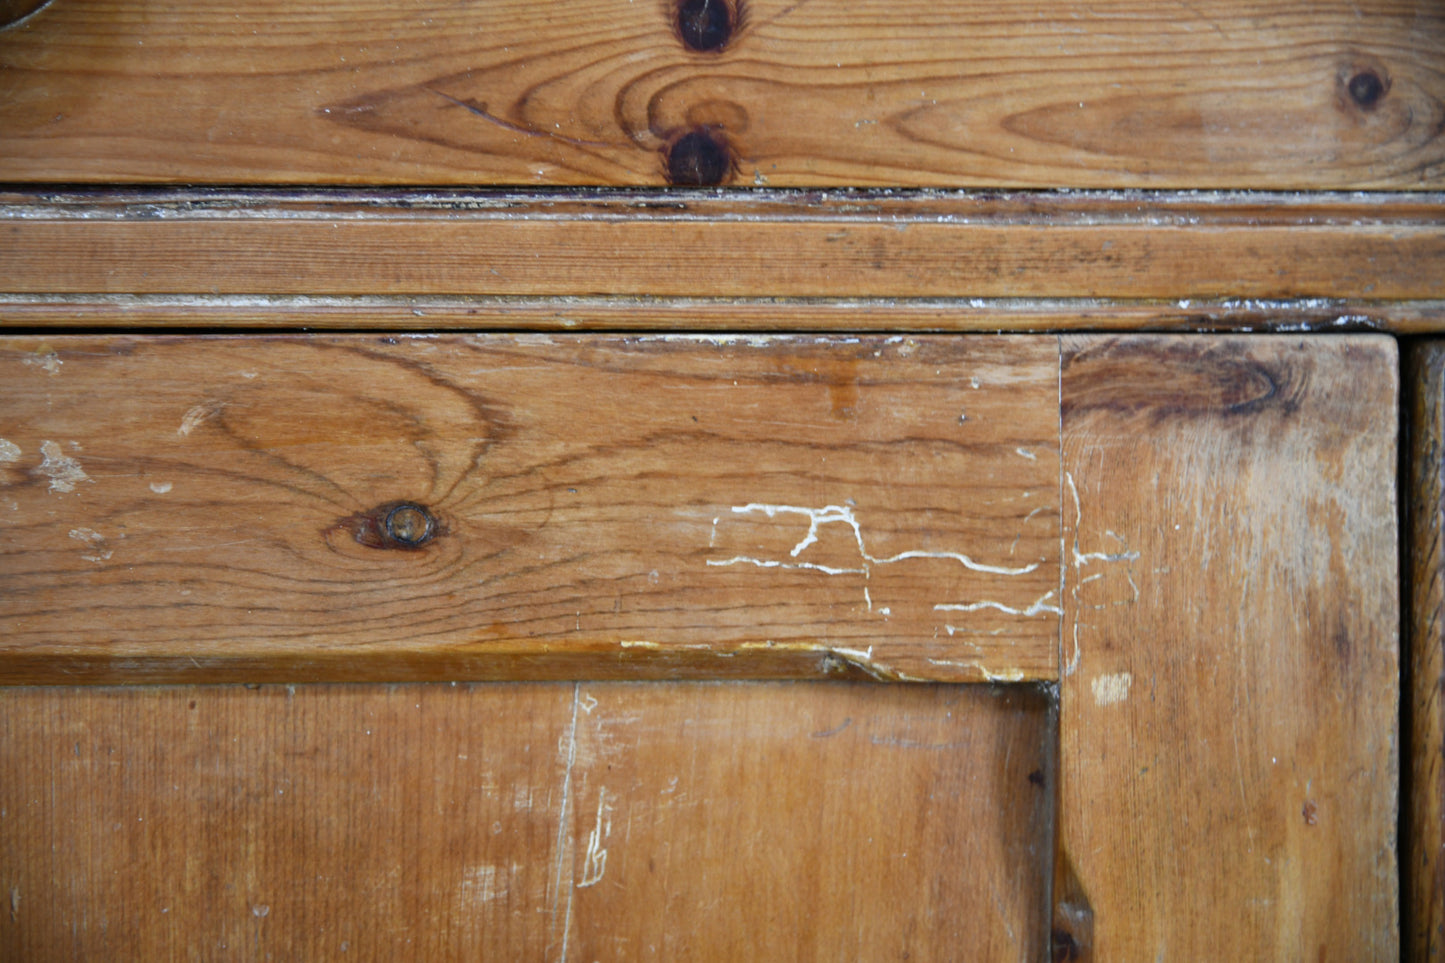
<point x="1111" y="689"/>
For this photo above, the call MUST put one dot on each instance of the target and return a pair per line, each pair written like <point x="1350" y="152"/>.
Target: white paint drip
<point x="1111" y="689"/>
<point x="64" y="472"/>
<point x="842" y="515"/>
<point x="594" y="864"/>
<point x="1039" y="607"/>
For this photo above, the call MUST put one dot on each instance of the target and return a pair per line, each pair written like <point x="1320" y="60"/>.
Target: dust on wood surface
<point x="1110" y="93"/>
<point x="1230" y="669"/>
<point x="395" y="508"/>
<point x="531" y="821"/>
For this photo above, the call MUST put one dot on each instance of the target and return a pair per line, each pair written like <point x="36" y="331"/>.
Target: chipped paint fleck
<point x="1111" y="689"/>
<point x="64" y="472"/>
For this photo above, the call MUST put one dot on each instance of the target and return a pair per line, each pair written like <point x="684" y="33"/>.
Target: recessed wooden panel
<point x="392" y="508"/>
<point x="538" y="821"/>
<point x="674" y="244"/>
<point x="1423" y="823"/>
<point x="1116" y="93"/>
<point x="1230" y="667"/>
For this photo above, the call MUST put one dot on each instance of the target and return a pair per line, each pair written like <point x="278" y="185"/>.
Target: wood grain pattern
<point x="1230" y="668"/>
<point x="1423" y="824"/>
<point x="767" y="245"/>
<point x="536" y="821"/>
<point x="1110" y="93"/>
<point x="206" y="509"/>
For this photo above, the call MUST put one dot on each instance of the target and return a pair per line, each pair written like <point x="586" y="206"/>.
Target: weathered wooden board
<point x="534" y="821"/>
<point x="1108" y="93"/>
<point x="223" y="508"/>
<point x="1230" y="667"/>
<point x="770" y="245"/>
<point x="1423" y="823"/>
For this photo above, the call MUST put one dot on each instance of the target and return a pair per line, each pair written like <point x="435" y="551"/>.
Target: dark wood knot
<point x="1366" y="88"/>
<point x="705" y="26"/>
<point x="699" y="158"/>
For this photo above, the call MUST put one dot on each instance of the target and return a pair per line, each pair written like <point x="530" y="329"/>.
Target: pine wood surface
<point x="1423" y="822"/>
<point x="1110" y="93"/>
<point x="222" y="508"/>
<point x="1171" y="247"/>
<point x="1230" y="671"/>
<point x="532" y="821"/>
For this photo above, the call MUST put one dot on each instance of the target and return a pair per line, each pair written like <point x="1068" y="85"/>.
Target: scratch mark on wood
<point x="562" y="848"/>
<point x="197" y="416"/>
<point x="63" y="471"/>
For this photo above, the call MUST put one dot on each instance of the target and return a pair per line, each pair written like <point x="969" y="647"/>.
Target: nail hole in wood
<point x="699" y="158"/>
<point x="396" y="525"/>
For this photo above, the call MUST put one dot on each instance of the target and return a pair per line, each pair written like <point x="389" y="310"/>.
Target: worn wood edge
<point x="511" y="662"/>
<point x="777" y="245"/>
<point x="1422" y="826"/>
<point x="160" y="313"/>
<point x="1157" y="208"/>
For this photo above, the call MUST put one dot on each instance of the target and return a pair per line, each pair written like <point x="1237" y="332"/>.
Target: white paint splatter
<point x="594" y="864"/>
<point x="160" y="488"/>
<point x="64" y="472"/>
<point x="94" y="541"/>
<point x="45" y="359"/>
<point x="9" y="451"/>
<point x="1111" y="689"/>
<point x="1024" y="452"/>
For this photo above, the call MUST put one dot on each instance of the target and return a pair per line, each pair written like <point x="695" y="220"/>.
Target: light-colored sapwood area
<point x="1423" y="824"/>
<point x="1230" y="661"/>
<point x="1109" y="93"/>
<point x="1230" y="248"/>
<point x="526" y="822"/>
<point x="393" y="508"/>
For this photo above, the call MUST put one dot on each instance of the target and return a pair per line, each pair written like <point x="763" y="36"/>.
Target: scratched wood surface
<point x="1235" y="248"/>
<point x="538" y="821"/>
<point x="1229" y="687"/>
<point x="1423" y="823"/>
<point x="1106" y="93"/>
<point x="205" y="509"/>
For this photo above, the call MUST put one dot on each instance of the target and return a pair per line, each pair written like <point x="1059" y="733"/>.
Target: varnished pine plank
<point x="772" y="245"/>
<point x="199" y="509"/>
<point x="1423" y="825"/>
<point x="1111" y="93"/>
<point x="1230" y="667"/>
<point x="510" y="822"/>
